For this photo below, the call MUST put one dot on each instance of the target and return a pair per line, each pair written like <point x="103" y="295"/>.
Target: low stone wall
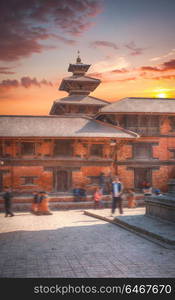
<point x="160" y="207"/>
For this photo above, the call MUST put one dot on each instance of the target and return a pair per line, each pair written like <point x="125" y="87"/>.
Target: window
<point x="96" y="150"/>
<point x="172" y="153"/>
<point x="63" y="148"/>
<point x="143" y="124"/>
<point x="142" y="151"/>
<point x="81" y="109"/>
<point x="1" y="151"/>
<point x="131" y="121"/>
<point x="172" y="123"/>
<point x="28" y="180"/>
<point x="94" y="109"/>
<point x="27" y="148"/>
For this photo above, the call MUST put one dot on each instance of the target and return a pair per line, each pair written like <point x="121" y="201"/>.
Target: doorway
<point x="142" y="175"/>
<point x="63" y="181"/>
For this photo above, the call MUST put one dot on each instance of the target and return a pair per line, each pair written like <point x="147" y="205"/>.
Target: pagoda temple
<point x="79" y="86"/>
<point x="65" y="149"/>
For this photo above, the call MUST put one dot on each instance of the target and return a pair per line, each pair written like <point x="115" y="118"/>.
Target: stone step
<point x="25" y="204"/>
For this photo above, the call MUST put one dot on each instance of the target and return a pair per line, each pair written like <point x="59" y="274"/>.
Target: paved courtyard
<point x="71" y="244"/>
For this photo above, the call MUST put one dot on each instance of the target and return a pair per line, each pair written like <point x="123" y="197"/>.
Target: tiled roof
<point x="138" y="105"/>
<point x="82" y="99"/>
<point x="81" y="78"/>
<point x="59" y="126"/>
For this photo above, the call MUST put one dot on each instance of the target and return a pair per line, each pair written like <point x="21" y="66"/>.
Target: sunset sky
<point x="130" y="45"/>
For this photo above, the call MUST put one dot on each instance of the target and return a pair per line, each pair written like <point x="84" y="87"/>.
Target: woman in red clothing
<point x="43" y="207"/>
<point x="98" y="198"/>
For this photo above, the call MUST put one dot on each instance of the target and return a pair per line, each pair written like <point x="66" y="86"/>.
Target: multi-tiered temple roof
<point x="79" y="86"/>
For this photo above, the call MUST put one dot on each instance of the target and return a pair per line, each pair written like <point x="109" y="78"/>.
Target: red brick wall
<point x="126" y="176"/>
<point x="44" y="179"/>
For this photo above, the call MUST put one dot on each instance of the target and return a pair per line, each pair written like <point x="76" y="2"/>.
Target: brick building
<point x="150" y="158"/>
<point x="67" y="148"/>
<point x="85" y="136"/>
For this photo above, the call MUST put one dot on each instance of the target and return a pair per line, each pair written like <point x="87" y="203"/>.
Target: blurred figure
<point x="76" y="194"/>
<point x="82" y="193"/>
<point x="98" y="198"/>
<point x="35" y="202"/>
<point x="131" y="198"/>
<point x="43" y="207"/>
<point x="7" y="196"/>
<point x="147" y="190"/>
<point x="157" y="192"/>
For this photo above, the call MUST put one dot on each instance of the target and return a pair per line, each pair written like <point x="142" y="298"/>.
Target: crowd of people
<point x="40" y="204"/>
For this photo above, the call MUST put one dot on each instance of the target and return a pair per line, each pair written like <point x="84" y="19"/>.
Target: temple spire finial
<point x="78" y="61"/>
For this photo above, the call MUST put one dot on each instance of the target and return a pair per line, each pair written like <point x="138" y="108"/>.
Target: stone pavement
<point x="155" y="229"/>
<point x="70" y="244"/>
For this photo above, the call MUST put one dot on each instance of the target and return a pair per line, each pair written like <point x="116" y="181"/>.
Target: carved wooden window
<point x="143" y="124"/>
<point x="96" y="150"/>
<point x="63" y="148"/>
<point x="1" y="150"/>
<point x="94" y="109"/>
<point x="131" y="121"/>
<point x="81" y="109"/>
<point x="172" y="153"/>
<point x="28" y="180"/>
<point x="1" y="182"/>
<point x="154" y="121"/>
<point x="172" y="123"/>
<point x="27" y="148"/>
<point x="142" y="151"/>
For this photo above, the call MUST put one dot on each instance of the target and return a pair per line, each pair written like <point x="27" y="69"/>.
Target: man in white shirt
<point x="117" y="188"/>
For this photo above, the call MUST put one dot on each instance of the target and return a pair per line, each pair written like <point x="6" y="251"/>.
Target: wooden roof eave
<point x="135" y="135"/>
<point x="134" y="113"/>
<point x="31" y="138"/>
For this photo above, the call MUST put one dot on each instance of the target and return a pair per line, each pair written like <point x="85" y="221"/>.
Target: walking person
<point x="131" y="198"/>
<point x="117" y="189"/>
<point x="98" y="198"/>
<point x="43" y="207"/>
<point x="35" y="202"/>
<point x="7" y="196"/>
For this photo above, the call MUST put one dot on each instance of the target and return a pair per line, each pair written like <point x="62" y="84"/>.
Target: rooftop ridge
<point x="148" y="98"/>
<point x="51" y="116"/>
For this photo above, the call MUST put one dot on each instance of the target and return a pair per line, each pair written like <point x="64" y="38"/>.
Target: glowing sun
<point x="161" y="95"/>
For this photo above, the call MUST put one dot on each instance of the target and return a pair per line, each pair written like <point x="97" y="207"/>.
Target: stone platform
<point x="162" y="206"/>
<point x="63" y="202"/>
<point x="135" y="220"/>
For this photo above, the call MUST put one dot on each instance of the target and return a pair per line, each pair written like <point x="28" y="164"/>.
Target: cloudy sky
<point x="130" y="45"/>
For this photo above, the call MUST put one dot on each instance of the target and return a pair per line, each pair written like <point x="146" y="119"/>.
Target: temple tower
<point x="79" y="86"/>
